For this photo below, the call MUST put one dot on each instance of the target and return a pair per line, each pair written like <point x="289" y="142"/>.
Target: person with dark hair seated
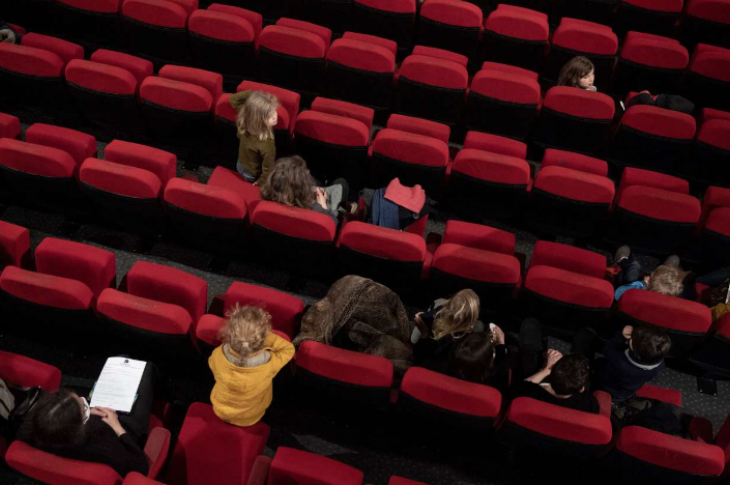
<point x="8" y="35"/>
<point x="554" y="379"/>
<point x="481" y="358"/>
<point x="62" y="423"/>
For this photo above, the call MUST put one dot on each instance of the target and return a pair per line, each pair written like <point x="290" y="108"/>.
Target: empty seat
<point x="293" y="46"/>
<point x="177" y="113"/>
<point x="333" y="137"/>
<point x="651" y="16"/>
<point x="451" y="402"/>
<point x="415" y="159"/>
<point x="574" y="119"/>
<point x="652" y="138"/>
<point x="206" y="215"/>
<point x="714" y="238"/>
<point x="570" y="201"/>
<point x="386" y="255"/>
<point x="295" y="466"/>
<point x="156" y="29"/>
<point x="651" y="215"/>
<point x="546" y="427"/>
<point x="567" y="286"/>
<point x="663" y="458"/>
<point x="686" y="322"/>
<point x="711" y="355"/>
<point x="234" y="181"/>
<point x="517" y="36"/>
<point x="437" y="76"/>
<point x="708" y="79"/>
<point x="360" y="69"/>
<point x="31" y="76"/>
<point x="503" y="99"/>
<point x="650" y="62"/>
<point x="224" y="39"/>
<point x="140" y="68"/>
<point x="342" y="376"/>
<point x="92" y="21"/>
<point x="709" y="156"/>
<point x="419" y="126"/>
<point x="207" y="447"/>
<point x="14" y="246"/>
<point x="484" y="182"/>
<point x="285" y="309"/>
<point x="451" y="25"/>
<point x="575" y="37"/>
<point x="77" y="144"/>
<point x="64" y="49"/>
<point x="299" y="240"/>
<point x="385" y="18"/>
<point x="706" y="21"/>
<point x="9" y="126"/>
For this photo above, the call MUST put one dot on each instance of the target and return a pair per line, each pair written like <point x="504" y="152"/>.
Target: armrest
<point x="259" y="471"/>
<point x="604" y="403"/>
<point x="700" y="429"/>
<point x="156" y="449"/>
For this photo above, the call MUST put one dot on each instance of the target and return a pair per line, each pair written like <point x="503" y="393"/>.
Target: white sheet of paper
<point x="118" y="384"/>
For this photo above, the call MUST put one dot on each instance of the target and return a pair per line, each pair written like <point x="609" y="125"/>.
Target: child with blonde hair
<point x="667" y="279"/>
<point x="245" y="364"/>
<point x="256" y="120"/>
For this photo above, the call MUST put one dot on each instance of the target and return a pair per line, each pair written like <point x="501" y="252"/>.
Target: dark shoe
<point x="672" y="261"/>
<point x="622" y="253"/>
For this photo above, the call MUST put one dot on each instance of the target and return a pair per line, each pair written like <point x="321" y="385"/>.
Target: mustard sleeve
<point x="281" y="351"/>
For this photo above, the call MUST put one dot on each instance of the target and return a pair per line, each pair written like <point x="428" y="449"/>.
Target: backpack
<point x="7" y="401"/>
<point x="16" y="407"/>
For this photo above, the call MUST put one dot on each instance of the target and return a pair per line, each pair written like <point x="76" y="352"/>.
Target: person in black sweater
<point x="568" y="376"/>
<point x="62" y="423"/>
<point x="481" y="357"/>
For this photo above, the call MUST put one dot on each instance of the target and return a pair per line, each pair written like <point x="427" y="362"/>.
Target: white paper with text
<point x="118" y="384"/>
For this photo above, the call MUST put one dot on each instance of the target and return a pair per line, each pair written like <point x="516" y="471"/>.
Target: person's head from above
<point x="650" y="344"/>
<point x="666" y="280"/>
<point x="457" y="316"/>
<point x="246" y="330"/>
<point x="472" y="358"/>
<point x="577" y="73"/>
<point x="570" y="375"/>
<point x="258" y="116"/>
<point x="290" y="183"/>
<point x="58" y="420"/>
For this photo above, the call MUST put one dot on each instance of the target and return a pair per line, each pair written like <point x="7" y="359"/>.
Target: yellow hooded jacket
<point x="241" y="395"/>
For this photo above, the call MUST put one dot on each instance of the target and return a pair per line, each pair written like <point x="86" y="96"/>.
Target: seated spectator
<point x="397" y="206"/>
<point x="245" y="365"/>
<point x="290" y="183"/>
<point x="667" y="279"/>
<point x="666" y="101"/>
<point x="555" y="379"/>
<point x="62" y="423"/>
<point x="578" y="72"/>
<point x="7" y="34"/>
<point x="481" y="357"/>
<point x="633" y="357"/>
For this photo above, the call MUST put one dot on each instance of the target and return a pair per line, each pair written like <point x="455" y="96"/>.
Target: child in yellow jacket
<point x="244" y="366"/>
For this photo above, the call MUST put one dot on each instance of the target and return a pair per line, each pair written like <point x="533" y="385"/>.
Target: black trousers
<point x="533" y="348"/>
<point x="137" y="422"/>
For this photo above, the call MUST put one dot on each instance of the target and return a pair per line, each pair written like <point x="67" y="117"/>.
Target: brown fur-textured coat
<point x="361" y="315"/>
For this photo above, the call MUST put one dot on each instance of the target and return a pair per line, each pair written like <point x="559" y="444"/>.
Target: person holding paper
<point x="245" y="365"/>
<point x="63" y="423"/>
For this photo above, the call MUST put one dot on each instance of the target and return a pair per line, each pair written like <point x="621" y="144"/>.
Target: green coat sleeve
<point x="239" y="99"/>
<point x="269" y="155"/>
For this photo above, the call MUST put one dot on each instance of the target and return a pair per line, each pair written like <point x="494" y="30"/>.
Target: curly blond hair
<point x="246" y="330"/>
<point x="254" y="114"/>
<point x="458" y="316"/>
<point x="667" y="281"/>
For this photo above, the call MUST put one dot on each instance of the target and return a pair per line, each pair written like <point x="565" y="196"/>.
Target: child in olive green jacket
<point x="255" y="122"/>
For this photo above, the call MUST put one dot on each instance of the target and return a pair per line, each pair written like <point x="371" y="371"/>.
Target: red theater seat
<point x="333" y="137"/>
<point x="709" y="156"/>
<point x="575" y="37"/>
<point x="391" y="19"/>
<point x="140" y="68"/>
<point x="574" y="119"/>
<point x="387" y="255"/>
<point x="452" y="25"/>
<point x="568" y="199"/>
<point x="77" y="144"/>
<point x="434" y="74"/>
<point x="488" y="182"/>
<point x="295" y="466"/>
<point x="233" y="181"/>
<point x="294" y="46"/>
<point x="300" y="240"/>
<point x="566" y="285"/>
<point x="361" y="70"/>
<point x="415" y="159"/>
<point x="495" y="144"/>
<point x="207" y="448"/>
<point x="451" y="402"/>
<point x="706" y="21"/>
<point x="650" y="62"/>
<point x="708" y="79"/>
<point x="711" y="355"/>
<point x="714" y="226"/>
<point x="652" y="138"/>
<point x="517" y="36"/>
<point x="161" y="163"/>
<point x="14" y="246"/>
<point x="32" y="76"/>
<point x="66" y="51"/>
<point x="343" y="375"/>
<point x="156" y="29"/>
<point x="225" y="40"/>
<point x="419" y="126"/>
<point x="9" y="126"/>
<point x="135" y="478"/>
<point x="285" y="309"/>
<point x="90" y="21"/>
<point x="207" y="216"/>
<point x="686" y="322"/>
<point x="503" y="99"/>
<point x="211" y="81"/>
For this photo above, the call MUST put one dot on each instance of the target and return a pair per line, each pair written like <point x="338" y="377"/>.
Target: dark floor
<point x="381" y="443"/>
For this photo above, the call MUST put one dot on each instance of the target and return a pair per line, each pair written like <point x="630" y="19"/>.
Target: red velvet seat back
<point x="205" y="200"/>
<point x="14" y="245"/>
<point x="36" y="159"/>
<point x="345" y="366"/>
<point x="161" y="163"/>
<point x="291" y="466"/>
<point x="568" y="258"/>
<point x="119" y="179"/>
<point x="77" y="144"/>
<point x="294" y="222"/>
<point x="285" y="309"/>
<point x="99" y="77"/>
<point x="143" y="313"/>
